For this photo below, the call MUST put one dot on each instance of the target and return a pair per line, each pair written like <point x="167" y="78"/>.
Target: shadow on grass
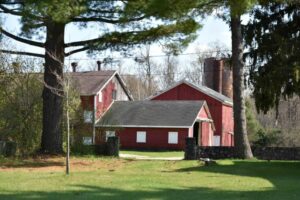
<point x="283" y="175"/>
<point x="93" y="192"/>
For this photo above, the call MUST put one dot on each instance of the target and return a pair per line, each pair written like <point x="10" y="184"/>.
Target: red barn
<point x="158" y="124"/>
<point x="220" y="107"/>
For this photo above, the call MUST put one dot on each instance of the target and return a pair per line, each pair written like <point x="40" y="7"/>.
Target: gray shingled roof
<point x="214" y="93"/>
<point x="89" y="83"/>
<point x="152" y="114"/>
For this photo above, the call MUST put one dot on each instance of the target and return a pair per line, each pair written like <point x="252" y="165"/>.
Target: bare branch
<point x="19" y="39"/>
<point x="22" y="53"/>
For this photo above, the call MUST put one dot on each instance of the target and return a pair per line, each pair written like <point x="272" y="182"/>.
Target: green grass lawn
<point x="105" y="178"/>
<point x="154" y="154"/>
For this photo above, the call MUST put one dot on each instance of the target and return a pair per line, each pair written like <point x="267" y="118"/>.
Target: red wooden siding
<point x="87" y="102"/>
<point x="223" y="121"/>
<point x="228" y="123"/>
<point x="106" y="101"/>
<point x="206" y="134"/>
<point x="203" y="114"/>
<point x="156" y="138"/>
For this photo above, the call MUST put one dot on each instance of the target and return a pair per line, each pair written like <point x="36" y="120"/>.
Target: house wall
<point x="186" y="92"/>
<point x="103" y="99"/>
<point x="87" y="102"/>
<point x="156" y="138"/>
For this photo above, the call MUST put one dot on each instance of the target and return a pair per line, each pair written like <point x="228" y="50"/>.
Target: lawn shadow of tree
<point x="278" y="173"/>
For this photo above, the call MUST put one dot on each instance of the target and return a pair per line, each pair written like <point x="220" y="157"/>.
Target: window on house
<point x="173" y="138"/>
<point x="114" y="94"/>
<point x="87" y="140"/>
<point x="88" y="116"/>
<point x="109" y="134"/>
<point x="100" y="96"/>
<point x="141" y="137"/>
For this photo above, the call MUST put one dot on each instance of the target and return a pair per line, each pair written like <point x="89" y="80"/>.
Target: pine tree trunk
<point x="241" y="141"/>
<point x="53" y="90"/>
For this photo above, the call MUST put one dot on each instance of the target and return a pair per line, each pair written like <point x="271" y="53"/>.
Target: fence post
<point x="190" y="152"/>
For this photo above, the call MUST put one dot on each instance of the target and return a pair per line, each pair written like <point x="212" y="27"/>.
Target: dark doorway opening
<point x="196" y="132"/>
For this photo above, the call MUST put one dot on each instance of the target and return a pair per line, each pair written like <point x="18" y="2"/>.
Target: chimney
<point x="74" y="65"/>
<point x="99" y="65"/>
<point x="16" y="67"/>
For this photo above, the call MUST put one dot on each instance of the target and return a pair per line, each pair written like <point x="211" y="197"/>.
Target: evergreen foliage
<point x="273" y="39"/>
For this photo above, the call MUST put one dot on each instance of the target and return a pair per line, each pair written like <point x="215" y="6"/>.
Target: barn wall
<point x="186" y="92"/>
<point x="203" y="114"/>
<point x="156" y="138"/>
<point x="206" y="134"/>
<point x="228" y="123"/>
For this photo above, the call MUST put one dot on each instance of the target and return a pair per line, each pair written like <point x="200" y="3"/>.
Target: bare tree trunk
<point x="52" y="101"/>
<point x="68" y="131"/>
<point x="241" y="141"/>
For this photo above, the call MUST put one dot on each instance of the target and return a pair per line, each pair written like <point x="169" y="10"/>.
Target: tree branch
<point x="105" y="20"/>
<point x="76" y="51"/>
<point x="9" y="11"/>
<point x="29" y="42"/>
<point x="22" y="53"/>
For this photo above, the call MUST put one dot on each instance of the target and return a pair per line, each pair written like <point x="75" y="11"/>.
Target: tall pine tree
<point x="132" y="22"/>
<point x="273" y="40"/>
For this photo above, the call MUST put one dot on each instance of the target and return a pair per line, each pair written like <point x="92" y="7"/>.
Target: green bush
<point x="80" y="149"/>
<point x="266" y="138"/>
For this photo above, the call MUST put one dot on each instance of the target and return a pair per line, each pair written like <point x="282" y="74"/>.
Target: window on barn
<point x="217" y="141"/>
<point x="173" y="138"/>
<point x="114" y="94"/>
<point x="109" y="134"/>
<point x="88" y="116"/>
<point x="141" y="137"/>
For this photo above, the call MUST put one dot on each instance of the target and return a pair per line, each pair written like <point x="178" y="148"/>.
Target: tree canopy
<point x="273" y="39"/>
<point x="119" y="23"/>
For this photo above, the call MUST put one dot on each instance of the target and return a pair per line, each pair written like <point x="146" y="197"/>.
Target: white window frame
<point x="100" y="97"/>
<point x="141" y="137"/>
<point x="87" y="116"/>
<point x="109" y="134"/>
<point x="87" y="140"/>
<point x="217" y="140"/>
<point x="173" y="137"/>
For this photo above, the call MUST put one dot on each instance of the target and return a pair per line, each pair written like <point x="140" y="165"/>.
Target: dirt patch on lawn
<point x="50" y="164"/>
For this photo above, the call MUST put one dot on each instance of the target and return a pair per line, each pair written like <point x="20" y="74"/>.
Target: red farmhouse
<point x="219" y="105"/>
<point x="158" y="124"/>
<point x="98" y="90"/>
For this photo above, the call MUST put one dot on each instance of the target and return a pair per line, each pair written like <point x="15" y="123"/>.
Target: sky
<point x="213" y="30"/>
